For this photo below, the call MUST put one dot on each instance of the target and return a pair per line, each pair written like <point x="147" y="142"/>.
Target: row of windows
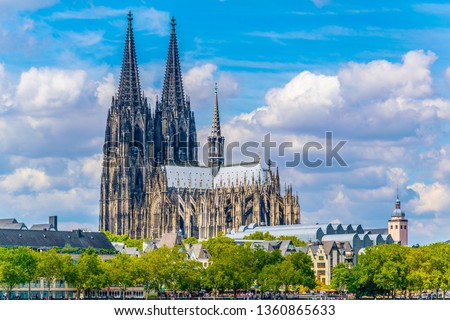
<point x="396" y="227"/>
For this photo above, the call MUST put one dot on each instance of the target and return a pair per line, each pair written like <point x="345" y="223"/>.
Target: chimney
<point x="53" y="220"/>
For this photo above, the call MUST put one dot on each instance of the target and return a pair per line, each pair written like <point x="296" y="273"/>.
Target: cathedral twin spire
<point x="129" y="93"/>
<point x="173" y="93"/>
<point x="172" y="129"/>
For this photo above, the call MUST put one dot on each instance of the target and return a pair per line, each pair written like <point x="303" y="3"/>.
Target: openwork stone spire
<point x="129" y="94"/>
<point x="172" y="94"/>
<point x="215" y="127"/>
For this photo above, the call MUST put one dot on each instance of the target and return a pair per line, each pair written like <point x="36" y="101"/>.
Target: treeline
<point x="387" y="270"/>
<point x="266" y="236"/>
<point x="231" y="267"/>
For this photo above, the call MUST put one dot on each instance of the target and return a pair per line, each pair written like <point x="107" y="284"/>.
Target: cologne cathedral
<point x="152" y="182"/>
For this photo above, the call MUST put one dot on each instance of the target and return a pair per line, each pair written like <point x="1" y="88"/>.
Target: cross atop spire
<point x="173" y="94"/>
<point x="215" y="127"/>
<point x="129" y="93"/>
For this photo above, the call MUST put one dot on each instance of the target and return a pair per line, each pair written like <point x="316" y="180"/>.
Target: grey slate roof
<point x="13" y="226"/>
<point x="302" y="249"/>
<point x="43" y="227"/>
<point x="377" y="230"/>
<point x="8" y="220"/>
<point x="49" y="239"/>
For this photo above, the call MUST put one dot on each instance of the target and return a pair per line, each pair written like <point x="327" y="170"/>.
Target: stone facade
<point x="151" y="180"/>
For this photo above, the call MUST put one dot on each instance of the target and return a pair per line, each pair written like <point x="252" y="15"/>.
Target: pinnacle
<point x="173" y="93"/>
<point x="129" y="92"/>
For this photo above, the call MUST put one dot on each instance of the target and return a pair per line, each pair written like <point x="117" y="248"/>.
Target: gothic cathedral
<point x="152" y="182"/>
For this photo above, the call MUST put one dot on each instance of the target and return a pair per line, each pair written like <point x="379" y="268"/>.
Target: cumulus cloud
<point x="382" y="79"/>
<point x="6" y="90"/>
<point x="23" y="179"/>
<point x="200" y="80"/>
<point x="442" y="169"/>
<point x="47" y="88"/>
<point x="106" y="90"/>
<point x="85" y="170"/>
<point x="357" y="102"/>
<point x="306" y="98"/>
<point x="67" y="204"/>
<point x="431" y="198"/>
<point x="447" y="75"/>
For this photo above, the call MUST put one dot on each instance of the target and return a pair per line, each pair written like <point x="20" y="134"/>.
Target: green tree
<point x="190" y="240"/>
<point x="233" y="267"/>
<point x="381" y="270"/>
<point x="263" y="258"/>
<point x="147" y="269"/>
<point x="295" y="241"/>
<point x="121" y="271"/>
<point x="27" y="260"/>
<point x="258" y="235"/>
<point x="11" y="274"/>
<point x="162" y="268"/>
<point x="88" y="272"/>
<point x="217" y="244"/>
<point x="303" y="274"/>
<point x="191" y="274"/>
<point x="125" y="239"/>
<point x="51" y="266"/>
<point x="270" y="278"/>
<point x="342" y="277"/>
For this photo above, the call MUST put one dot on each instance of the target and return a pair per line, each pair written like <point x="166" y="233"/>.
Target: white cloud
<point x="308" y="98"/>
<point x="43" y="89"/>
<point x="375" y="100"/>
<point x="200" y="80"/>
<point x="6" y="90"/>
<point x="106" y="90"/>
<point x="153" y="21"/>
<point x="83" y="39"/>
<point x="431" y="198"/>
<point x="85" y="171"/>
<point x="381" y="79"/>
<point x="447" y="75"/>
<point x="65" y="203"/>
<point x="25" y="178"/>
<point x="397" y="177"/>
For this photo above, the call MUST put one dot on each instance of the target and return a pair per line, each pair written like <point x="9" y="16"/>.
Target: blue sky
<point x="375" y="73"/>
